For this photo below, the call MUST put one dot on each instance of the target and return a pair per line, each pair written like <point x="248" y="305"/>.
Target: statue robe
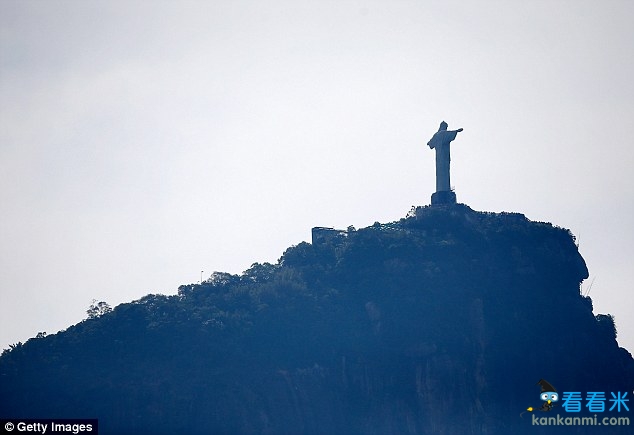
<point x="440" y="142"/>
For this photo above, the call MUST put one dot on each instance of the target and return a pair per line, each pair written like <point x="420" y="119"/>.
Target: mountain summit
<point x="442" y="322"/>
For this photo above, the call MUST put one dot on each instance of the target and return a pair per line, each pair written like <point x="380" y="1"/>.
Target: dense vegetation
<point x="441" y="322"/>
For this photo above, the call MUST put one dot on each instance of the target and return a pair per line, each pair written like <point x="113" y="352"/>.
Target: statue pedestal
<point x="443" y="197"/>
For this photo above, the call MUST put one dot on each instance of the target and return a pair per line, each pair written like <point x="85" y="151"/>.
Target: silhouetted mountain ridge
<point x="441" y="322"/>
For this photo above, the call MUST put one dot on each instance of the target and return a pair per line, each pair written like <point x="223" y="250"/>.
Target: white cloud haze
<point x="144" y="141"/>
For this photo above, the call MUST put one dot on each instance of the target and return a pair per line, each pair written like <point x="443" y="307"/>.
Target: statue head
<point x="443" y="126"/>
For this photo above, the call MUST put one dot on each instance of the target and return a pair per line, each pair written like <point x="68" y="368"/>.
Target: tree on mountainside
<point x="98" y="309"/>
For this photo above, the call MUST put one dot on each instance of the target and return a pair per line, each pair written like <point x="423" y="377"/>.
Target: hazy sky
<point x="144" y="141"/>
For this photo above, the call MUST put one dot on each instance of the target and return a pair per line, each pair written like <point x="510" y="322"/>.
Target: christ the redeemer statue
<point x="441" y="143"/>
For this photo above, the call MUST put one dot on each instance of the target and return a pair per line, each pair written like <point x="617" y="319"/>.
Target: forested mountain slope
<point x="442" y="322"/>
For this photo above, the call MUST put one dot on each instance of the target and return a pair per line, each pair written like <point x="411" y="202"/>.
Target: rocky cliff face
<point x="442" y="322"/>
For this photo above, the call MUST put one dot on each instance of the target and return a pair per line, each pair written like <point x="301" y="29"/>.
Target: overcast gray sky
<point x="144" y="141"/>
